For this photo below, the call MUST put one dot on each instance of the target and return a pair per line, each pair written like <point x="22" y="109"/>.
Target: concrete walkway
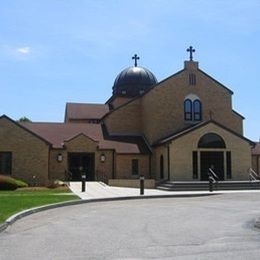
<point x="97" y="190"/>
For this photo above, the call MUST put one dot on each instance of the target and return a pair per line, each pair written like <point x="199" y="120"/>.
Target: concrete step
<point x="196" y="185"/>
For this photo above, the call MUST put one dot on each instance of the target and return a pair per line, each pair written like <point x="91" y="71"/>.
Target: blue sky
<point x="58" y="51"/>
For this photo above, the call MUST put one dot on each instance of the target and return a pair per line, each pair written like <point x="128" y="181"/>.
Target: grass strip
<point x="12" y="202"/>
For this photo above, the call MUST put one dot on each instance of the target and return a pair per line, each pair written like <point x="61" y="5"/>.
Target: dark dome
<point x="133" y="81"/>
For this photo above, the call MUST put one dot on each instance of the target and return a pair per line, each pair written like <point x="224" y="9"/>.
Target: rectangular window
<point x="135" y="167"/>
<point x="6" y="163"/>
<point x="195" y="165"/>
<point x="229" y="168"/>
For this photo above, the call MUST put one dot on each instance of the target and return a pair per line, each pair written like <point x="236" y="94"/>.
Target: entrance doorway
<point x="214" y="160"/>
<point x="80" y="163"/>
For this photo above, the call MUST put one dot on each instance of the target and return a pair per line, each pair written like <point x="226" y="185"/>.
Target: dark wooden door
<point x="214" y="160"/>
<point x="80" y="163"/>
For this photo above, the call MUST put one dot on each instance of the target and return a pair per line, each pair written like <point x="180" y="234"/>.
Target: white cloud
<point x="24" y="50"/>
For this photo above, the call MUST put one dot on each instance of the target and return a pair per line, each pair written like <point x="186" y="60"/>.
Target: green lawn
<point x="12" y="202"/>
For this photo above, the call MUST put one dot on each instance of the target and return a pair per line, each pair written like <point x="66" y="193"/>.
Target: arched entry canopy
<point x="211" y="140"/>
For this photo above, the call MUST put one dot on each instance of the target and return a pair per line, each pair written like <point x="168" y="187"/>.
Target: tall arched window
<point x="196" y="110"/>
<point x="192" y="108"/>
<point x="188" y="110"/>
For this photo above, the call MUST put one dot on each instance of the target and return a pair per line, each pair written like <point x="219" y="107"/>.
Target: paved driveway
<point x="215" y="227"/>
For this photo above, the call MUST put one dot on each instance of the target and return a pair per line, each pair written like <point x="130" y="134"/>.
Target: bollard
<point x="141" y="185"/>
<point x="83" y="182"/>
<point x="211" y="180"/>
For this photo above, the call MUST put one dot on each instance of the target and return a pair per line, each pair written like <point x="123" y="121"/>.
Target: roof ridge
<point x="80" y="103"/>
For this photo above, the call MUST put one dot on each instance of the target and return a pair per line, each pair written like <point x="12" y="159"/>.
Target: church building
<point x="175" y="129"/>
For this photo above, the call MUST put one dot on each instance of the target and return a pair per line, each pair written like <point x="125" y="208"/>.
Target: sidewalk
<point x="97" y="190"/>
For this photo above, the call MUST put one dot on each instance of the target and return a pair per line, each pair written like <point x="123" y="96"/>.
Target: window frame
<point x="197" y="114"/>
<point x="188" y="111"/>
<point x="135" y="167"/>
<point x="211" y="140"/>
<point x="6" y="162"/>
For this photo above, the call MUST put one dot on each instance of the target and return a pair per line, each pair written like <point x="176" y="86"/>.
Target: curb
<point x="28" y="212"/>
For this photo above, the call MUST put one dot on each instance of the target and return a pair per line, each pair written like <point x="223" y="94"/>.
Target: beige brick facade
<point x="162" y="107"/>
<point x="126" y="119"/>
<point x="181" y="153"/>
<point x="153" y="116"/>
<point x="119" y="101"/>
<point x="30" y="155"/>
<point x="124" y="166"/>
<point x="81" y="144"/>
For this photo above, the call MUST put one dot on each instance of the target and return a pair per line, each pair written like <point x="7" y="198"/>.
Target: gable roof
<point x="85" y="111"/>
<point x="20" y="125"/>
<point x="58" y="133"/>
<point x="195" y="127"/>
<point x="223" y="86"/>
<point x="235" y="112"/>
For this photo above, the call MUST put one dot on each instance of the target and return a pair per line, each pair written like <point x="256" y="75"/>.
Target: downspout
<point x="113" y="165"/>
<point x="150" y="166"/>
<point x="49" y="156"/>
<point x="168" y="155"/>
<point x="257" y="164"/>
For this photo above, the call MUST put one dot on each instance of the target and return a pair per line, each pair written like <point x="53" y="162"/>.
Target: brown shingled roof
<point x="58" y="133"/>
<point x="85" y="111"/>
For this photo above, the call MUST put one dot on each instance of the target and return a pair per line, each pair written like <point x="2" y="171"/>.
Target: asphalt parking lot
<point x="214" y="227"/>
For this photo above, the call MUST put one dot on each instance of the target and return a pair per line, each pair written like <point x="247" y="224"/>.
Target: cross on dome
<point x="190" y="50"/>
<point x="135" y="57"/>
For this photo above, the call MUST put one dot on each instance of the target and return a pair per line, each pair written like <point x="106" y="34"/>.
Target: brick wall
<point x="163" y="108"/>
<point x="126" y="119"/>
<point x="29" y="153"/>
<point x="181" y="153"/>
<point x="118" y="101"/>
<point x="81" y="144"/>
<point x="124" y="166"/>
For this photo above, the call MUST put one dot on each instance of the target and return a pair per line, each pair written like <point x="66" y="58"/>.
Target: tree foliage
<point x="24" y="119"/>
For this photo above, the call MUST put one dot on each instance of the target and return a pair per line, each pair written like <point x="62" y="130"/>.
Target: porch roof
<point x="58" y="133"/>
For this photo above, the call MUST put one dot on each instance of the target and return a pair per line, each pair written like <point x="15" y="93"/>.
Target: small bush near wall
<point x="9" y="183"/>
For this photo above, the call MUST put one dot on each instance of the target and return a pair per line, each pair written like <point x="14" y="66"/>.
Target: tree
<point x="24" y="119"/>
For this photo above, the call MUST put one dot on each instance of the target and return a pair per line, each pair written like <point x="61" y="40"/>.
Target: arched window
<point x="161" y="167"/>
<point x="188" y="110"/>
<point x="196" y="110"/>
<point x="192" y="108"/>
<point x="211" y="140"/>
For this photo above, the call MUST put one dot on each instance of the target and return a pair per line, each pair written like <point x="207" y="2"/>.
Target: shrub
<point x="9" y="183"/>
<point x="55" y="184"/>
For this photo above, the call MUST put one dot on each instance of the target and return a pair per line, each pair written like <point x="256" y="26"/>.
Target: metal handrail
<point x="68" y="176"/>
<point x="213" y="175"/>
<point x="253" y="176"/>
<point x="101" y="177"/>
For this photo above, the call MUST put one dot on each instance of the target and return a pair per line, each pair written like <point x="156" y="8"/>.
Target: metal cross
<point x="135" y="57"/>
<point x="190" y="50"/>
